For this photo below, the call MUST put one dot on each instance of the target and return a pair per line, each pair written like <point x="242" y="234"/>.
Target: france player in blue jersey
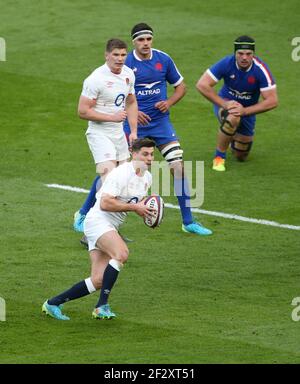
<point x="246" y="79"/>
<point x="154" y="70"/>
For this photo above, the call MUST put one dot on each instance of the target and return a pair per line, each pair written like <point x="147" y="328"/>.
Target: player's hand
<point x="143" y="118"/>
<point x="163" y="106"/>
<point x="229" y="104"/>
<point x="119" y="117"/>
<point x="237" y="110"/>
<point x="142" y="210"/>
<point x="131" y="138"/>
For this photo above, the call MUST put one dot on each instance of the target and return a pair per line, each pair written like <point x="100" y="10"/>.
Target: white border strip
<point x="197" y="210"/>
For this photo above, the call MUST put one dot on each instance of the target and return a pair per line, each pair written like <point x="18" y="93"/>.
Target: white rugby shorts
<point x="95" y="226"/>
<point x="105" y="148"/>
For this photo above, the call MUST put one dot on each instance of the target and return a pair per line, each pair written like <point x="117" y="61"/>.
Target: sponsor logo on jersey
<point x="147" y="91"/>
<point x="240" y="95"/>
<point x="232" y="76"/>
<point x="148" y="85"/>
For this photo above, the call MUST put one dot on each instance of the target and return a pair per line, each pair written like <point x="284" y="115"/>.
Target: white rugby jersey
<point x="110" y="91"/>
<point x="124" y="184"/>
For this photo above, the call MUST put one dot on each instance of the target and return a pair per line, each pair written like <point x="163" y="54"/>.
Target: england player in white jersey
<point x="107" y="99"/>
<point x="122" y="191"/>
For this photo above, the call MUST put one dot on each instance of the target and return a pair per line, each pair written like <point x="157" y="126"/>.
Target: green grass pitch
<point x="180" y="298"/>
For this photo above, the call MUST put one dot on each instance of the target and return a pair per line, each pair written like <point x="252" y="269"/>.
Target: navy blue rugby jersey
<point x="151" y="79"/>
<point x="239" y="85"/>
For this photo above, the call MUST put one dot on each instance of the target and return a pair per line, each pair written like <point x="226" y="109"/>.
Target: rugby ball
<point x="156" y="202"/>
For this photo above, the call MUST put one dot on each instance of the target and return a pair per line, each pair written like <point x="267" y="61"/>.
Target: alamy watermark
<point x="2" y="49"/>
<point x="296" y="51"/>
<point x="2" y="309"/>
<point x="161" y="181"/>
<point x="296" y="310"/>
<point x="184" y="173"/>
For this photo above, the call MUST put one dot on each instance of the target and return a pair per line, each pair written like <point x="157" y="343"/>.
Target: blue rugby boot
<point x="78" y="221"/>
<point x="54" y="311"/>
<point x="196" y="228"/>
<point x="103" y="312"/>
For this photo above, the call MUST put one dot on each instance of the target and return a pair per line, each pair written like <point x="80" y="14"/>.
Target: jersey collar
<point x="136" y="56"/>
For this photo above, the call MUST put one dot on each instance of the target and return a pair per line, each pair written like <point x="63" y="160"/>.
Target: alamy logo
<point x="2" y="309"/>
<point x="296" y="51"/>
<point x="296" y="310"/>
<point x="2" y="49"/>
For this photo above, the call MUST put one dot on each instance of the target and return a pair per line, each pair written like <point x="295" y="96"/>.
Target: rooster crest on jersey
<point x="156" y="202"/>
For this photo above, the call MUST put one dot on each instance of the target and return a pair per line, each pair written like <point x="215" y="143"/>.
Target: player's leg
<point x="241" y="146"/>
<point x="228" y="127"/>
<point x="53" y="306"/>
<point x="173" y="155"/>
<point x="80" y="289"/>
<point x="169" y="146"/>
<point x="112" y="244"/>
<point x="89" y="202"/>
<point x="105" y="156"/>
<point x="243" y="139"/>
<point x="99" y="261"/>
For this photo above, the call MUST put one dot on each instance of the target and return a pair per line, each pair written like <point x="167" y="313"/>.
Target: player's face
<point x="143" y="46"/>
<point x="116" y="59"/>
<point x="244" y="58"/>
<point x="145" y="155"/>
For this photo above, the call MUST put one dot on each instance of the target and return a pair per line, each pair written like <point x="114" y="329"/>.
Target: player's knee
<point x="241" y="149"/>
<point x="122" y="255"/>
<point x="229" y="123"/>
<point x="172" y="153"/>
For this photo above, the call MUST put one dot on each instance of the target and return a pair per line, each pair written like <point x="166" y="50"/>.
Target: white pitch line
<point x="197" y="210"/>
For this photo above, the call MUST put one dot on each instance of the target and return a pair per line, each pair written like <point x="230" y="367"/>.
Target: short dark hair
<point x="115" y="43"/>
<point x="140" y="143"/>
<point x="140" y="27"/>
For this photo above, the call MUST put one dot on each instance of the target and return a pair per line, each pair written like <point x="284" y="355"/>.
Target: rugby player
<point x="246" y="78"/>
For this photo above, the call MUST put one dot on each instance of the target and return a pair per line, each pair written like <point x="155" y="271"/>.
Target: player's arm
<point x="112" y="204"/>
<point x="132" y="116"/>
<point x="179" y="92"/>
<point x="86" y="112"/>
<point x="205" y="86"/>
<point x="269" y="101"/>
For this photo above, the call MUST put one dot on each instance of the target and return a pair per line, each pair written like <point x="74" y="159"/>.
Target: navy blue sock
<point x="78" y="290"/>
<point x="181" y="188"/>
<point x="109" y="278"/>
<point x="91" y="199"/>
<point x="220" y="154"/>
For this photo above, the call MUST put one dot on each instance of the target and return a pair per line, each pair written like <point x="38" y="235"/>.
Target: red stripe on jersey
<point x="266" y="68"/>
